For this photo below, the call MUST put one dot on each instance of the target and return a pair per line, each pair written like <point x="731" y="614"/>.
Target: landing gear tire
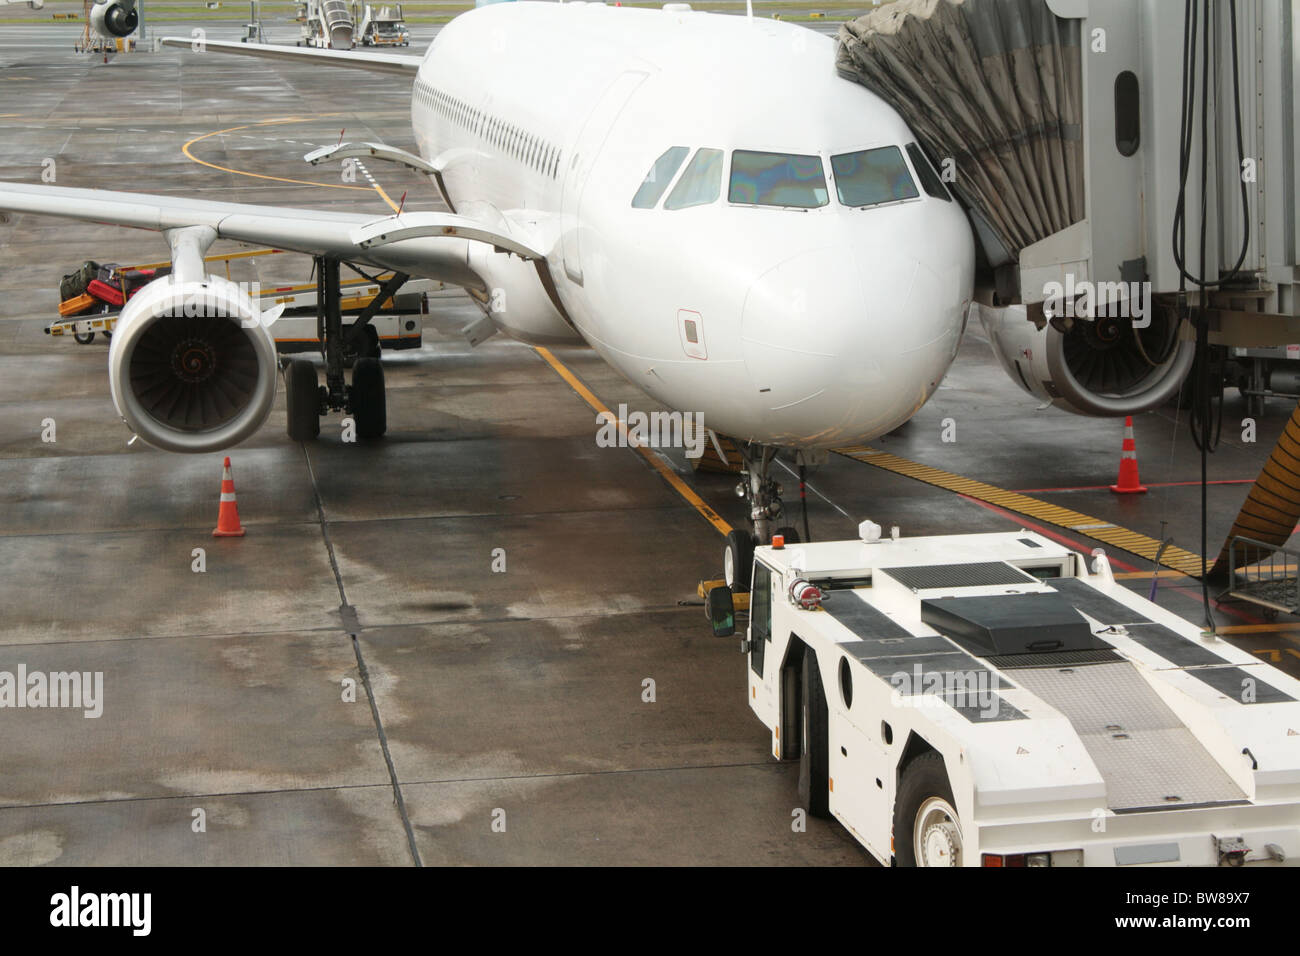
<point x="738" y="561"/>
<point x="790" y="534"/>
<point x="84" y="338"/>
<point x="369" y="409"/>
<point x="302" y="396"/>
<point x="927" y="831"/>
<point x="814" y="747"/>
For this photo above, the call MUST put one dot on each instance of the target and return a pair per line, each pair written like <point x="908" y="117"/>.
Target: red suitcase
<point x="105" y="292"/>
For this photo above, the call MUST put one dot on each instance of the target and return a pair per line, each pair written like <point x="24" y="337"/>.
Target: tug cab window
<point x="760" y="615"/>
<point x="701" y="184"/>
<point x="777" y="179"/>
<point x="870" y="177"/>
<point x="660" y="175"/>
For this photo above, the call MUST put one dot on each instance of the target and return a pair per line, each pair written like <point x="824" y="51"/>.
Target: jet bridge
<point x="1059" y="126"/>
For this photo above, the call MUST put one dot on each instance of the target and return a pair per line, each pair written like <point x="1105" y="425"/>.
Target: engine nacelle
<point x="191" y="365"/>
<point x="114" y="18"/>
<point x="1098" y="367"/>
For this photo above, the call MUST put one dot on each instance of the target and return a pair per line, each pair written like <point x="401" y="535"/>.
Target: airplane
<point x="109" y="19"/>
<point x="738" y="230"/>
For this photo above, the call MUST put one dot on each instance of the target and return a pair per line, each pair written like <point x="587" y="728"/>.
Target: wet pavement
<point x="485" y="614"/>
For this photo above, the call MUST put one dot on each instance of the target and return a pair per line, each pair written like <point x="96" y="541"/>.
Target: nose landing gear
<point x="762" y="493"/>
<point x="760" y="490"/>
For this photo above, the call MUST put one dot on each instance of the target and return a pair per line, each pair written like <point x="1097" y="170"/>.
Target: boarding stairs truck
<point x="384" y="28"/>
<point x="998" y="700"/>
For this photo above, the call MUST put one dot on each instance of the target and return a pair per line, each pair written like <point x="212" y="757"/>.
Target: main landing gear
<point x="358" y="345"/>
<point x="763" y="495"/>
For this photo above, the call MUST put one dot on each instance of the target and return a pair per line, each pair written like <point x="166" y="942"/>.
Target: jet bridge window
<point x="777" y="179"/>
<point x="870" y="177"/>
<point x="659" y="177"/>
<point x="701" y="184"/>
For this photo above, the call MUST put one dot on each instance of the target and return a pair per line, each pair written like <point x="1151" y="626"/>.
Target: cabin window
<point x="659" y="177"/>
<point x="777" y="179"/>
<point x="870" y="177"/>
<point x="930" y="180"/>
<point x="701" y="184"/>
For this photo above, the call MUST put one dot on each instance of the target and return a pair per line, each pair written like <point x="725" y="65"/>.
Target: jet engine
<point x="114" y="18"/>
<point x="1103" y="366"/>
<point x="192" y="365"/>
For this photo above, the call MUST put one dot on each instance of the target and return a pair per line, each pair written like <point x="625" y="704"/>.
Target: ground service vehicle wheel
<point x="302" y="396"/>
<point x="927" y="831"/>
<point x="814" y="746"/>
<point x="84" y="338"/>
<point x="367" y="398"/>
<point x="738" y="561"/>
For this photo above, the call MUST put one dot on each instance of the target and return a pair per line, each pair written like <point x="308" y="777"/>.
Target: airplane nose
<point x="862" y="330"/>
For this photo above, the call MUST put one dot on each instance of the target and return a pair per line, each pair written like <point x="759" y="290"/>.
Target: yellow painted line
<point x="1275" y="653"/>
<point x="220" y="258"/>
<point x="1176" y="558"/>
<point x="279" y="179"/>
<point x="1259" y="628"/>
<point x="1146" y="575"/>
<point x="670" y="476"/>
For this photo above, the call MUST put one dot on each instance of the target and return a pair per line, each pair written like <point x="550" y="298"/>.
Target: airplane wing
<point x="352" y="59"/>
<point x="428" y="244"/>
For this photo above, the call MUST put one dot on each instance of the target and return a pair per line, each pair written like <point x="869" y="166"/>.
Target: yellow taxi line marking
<point x="1286" y="627"/>
<point x="279" y="179"/>
<point x="1131" y="541"/>
<point x="694" y="500"/>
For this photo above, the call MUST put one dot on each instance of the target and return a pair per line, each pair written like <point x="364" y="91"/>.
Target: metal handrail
<point x="1253" y="564"/>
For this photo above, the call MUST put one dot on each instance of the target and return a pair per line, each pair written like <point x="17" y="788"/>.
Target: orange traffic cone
<point x="228" y="525"/>
<point x="1128" y="464"/>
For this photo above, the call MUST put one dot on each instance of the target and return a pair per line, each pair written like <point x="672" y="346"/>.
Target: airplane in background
<point x="110" y="19"/>
<point x="701" y="198"/>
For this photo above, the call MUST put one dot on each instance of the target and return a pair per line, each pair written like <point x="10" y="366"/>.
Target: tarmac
<point x="356" y="681"/>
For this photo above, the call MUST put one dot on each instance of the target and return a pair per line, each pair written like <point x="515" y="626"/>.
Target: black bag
<point x="74" y="284"/>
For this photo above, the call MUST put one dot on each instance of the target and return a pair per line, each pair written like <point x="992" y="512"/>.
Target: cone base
<point x="1135" y="490"/>
<point x="240" y="533"/>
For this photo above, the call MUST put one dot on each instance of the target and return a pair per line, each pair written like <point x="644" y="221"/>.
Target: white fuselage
<point x="809" y="327"/>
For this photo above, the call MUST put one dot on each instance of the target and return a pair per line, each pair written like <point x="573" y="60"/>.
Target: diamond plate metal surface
<point x="1142" y="751"/>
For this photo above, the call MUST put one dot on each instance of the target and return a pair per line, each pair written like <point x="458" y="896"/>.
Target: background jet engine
<point x="114" y="18"/>
<point x="192" y="366"/>
<point x="1095" y="367"/>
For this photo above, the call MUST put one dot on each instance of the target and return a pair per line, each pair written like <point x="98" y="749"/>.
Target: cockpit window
<point x="700" y="184"/>
<point x="777" y="179"/>
<point x="659" y="176"/>
<point x="930" y="180"/>
<point x="872" y="176"/>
